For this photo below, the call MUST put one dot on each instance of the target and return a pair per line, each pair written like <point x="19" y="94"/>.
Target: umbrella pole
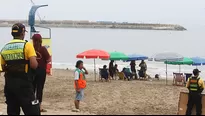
<point x="179" y="68"/>
<point x="95" y="69"/>
<point x="166" y="73"/>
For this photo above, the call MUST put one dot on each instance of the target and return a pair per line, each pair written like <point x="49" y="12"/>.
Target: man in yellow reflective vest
<point x="18" y="61"/>
<point x="195" y="85"/>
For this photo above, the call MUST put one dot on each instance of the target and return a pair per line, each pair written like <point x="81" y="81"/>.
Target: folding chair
<point x="178" y="78"/>
<point x="100" y="75"/>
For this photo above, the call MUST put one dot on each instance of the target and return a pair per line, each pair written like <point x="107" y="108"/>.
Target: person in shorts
<point x="79" y="84"/>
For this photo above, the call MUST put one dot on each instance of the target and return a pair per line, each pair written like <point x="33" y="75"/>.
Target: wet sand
<point x="115" y="97"/>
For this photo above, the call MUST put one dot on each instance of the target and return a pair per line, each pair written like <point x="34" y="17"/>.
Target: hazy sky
<point x="183" y="12"/>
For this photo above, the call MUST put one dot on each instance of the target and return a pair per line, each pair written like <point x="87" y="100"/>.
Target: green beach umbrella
<point x="185" y="61"/>
<point x="118" y="56"/>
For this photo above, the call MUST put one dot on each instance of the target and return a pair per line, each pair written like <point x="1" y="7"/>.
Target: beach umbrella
<point x="185" y="61"/>
<point x="94" y="54"/>
<point x="118" y="56"/>
<point x="197" y="61"/>
<point x="136" y="57"/>
<point x="166" y="56"/>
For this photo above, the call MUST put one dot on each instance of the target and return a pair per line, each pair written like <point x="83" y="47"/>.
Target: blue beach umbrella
<point x="136" y="57"/>
<point x="198" y="61"/>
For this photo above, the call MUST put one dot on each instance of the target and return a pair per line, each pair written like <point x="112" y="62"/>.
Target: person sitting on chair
<point x="127" y="73"/>
<point x="104" y="72"/>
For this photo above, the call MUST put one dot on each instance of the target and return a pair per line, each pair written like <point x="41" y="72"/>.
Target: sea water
<point x="68" y="42"/>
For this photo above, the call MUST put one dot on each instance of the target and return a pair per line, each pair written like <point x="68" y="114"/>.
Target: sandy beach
<point x="116" y="97"/>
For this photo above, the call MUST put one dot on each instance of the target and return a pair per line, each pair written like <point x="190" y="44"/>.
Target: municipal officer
<point x="18" y="60"/>
<point x="195" y="85"/>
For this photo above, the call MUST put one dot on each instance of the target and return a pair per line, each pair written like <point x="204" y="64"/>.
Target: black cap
<point x="196" y="71"/>
<point x="18" y="29"/>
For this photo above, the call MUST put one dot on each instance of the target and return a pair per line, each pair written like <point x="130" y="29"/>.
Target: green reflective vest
<point x="13" y="54"/>
<point x="194" y="86"/>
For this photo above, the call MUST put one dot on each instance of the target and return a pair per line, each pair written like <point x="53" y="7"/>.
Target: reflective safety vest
<point x="193" y="84"/>
<point x="13" y="54"/>
<point x="81" y="80"/>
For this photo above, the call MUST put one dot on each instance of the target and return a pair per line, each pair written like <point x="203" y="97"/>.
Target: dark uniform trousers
<point x="19" y="94"/>
<point x="194" y="99"/>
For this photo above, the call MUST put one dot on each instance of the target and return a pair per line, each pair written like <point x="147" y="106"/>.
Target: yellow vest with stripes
<point x="14" y="56"/>
<point x="194" y="86"/>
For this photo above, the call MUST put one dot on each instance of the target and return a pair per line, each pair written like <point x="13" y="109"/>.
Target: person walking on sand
<point x="18" y="61"/>
<point x="43" y="58"/>
<point x="195" y="84"/>
<point x="79" y="84"/>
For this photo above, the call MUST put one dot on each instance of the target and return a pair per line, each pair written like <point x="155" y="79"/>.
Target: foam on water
<point x="153" y="68"/>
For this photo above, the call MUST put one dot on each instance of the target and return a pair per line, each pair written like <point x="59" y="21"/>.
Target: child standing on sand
<point x="79" y="84"/>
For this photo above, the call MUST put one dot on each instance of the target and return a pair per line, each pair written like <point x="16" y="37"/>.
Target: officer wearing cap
<point x="195" y="85"/>
<point x="18" y="60"/>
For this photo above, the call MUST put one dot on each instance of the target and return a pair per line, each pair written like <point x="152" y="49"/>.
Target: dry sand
<point x="116" y="97"/>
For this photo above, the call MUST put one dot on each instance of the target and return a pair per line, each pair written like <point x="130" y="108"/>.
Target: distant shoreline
<point x="96" y="25"/>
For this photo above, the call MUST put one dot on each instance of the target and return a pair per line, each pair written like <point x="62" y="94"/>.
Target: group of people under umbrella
<point x="115" y="56"/>
<point x="167" y="58"/>
<point x="126" y="73"/>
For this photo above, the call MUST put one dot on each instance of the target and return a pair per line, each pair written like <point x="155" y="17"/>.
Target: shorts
<point x="79" y="95"/>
